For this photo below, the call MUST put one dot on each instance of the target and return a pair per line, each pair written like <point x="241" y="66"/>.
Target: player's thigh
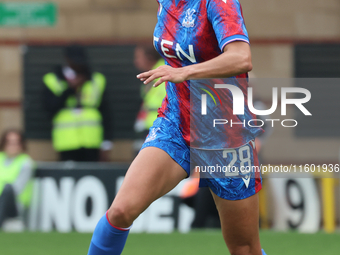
<point x="240" y="224"/>
<point x="151" y="175"/>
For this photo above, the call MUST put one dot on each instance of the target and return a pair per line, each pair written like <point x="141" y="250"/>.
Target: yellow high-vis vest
<point x="153" y="99"/>
<point x="75" y="128"/>
<point x="9" y="174"/>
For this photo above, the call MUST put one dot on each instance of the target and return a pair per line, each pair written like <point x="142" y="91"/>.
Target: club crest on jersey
<point x="189" y="20"/>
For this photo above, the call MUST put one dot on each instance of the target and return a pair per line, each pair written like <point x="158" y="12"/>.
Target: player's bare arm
<point x="235" y="60"/>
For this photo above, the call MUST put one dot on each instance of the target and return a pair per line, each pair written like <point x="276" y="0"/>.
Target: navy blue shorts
<point x="232" y="174"/>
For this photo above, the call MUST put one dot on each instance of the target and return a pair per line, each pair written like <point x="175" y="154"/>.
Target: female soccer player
<point x="198" y="39"/>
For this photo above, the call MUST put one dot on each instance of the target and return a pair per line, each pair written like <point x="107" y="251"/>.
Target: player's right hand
<point x="164" y="73"/>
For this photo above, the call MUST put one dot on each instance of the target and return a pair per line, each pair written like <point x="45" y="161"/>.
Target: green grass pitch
<point x="194" y="243"/>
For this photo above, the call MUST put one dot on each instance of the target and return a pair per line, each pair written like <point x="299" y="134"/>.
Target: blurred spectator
<point x="16" y="172"/>
<point x="76" y="99"/>
<point x="147" y="58"/>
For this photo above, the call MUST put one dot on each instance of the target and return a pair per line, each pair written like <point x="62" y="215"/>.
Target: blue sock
<point x="263" y="253"/>
<point x="107" y="239"/>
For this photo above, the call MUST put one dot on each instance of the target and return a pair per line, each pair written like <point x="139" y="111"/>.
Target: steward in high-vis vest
<point x="16" y="173"/>
<point x="146" y="58"/>
<point x="80" y="116"/>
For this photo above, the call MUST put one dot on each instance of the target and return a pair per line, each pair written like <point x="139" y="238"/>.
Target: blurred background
<point x="289" y="39"/>
<point x="283" y="36"/>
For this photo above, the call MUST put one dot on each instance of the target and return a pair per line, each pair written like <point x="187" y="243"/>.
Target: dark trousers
<point x="8" y="208"/>
<point x="87" y="155"/>
<point x="206" y="214"/>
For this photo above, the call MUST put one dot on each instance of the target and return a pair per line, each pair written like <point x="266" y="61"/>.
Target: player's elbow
<point x="246" y="64"/>
<point x="249" y="66"/>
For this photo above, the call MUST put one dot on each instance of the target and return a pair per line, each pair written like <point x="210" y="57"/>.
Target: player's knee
<point x="120" y="216"/>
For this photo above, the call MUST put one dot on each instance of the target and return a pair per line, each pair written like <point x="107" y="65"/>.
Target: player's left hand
<point x="164" y="73"/>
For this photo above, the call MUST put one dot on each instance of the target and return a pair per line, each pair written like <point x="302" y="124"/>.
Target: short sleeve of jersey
<point x="227" y="21"/>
